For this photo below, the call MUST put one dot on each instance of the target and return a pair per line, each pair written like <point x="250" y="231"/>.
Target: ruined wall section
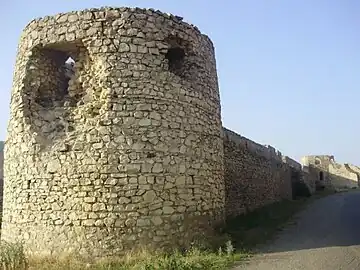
<point x="1" y="174"/>
<point x="292" y="163"/>
<point x="333" y="175"/>
<point x="255" y="175"/>
<point x="353" y="168"/>
<point x="300" y="173"/>
<point x="127" y="152"/>
<point x="342" y="176"/>
<point x="317" y="169"/>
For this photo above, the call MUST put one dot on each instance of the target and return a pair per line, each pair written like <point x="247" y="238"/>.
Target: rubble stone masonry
<point x="255" y="175"/>
<point x="1" y="172"/>
<point x="127" y="152"/>
<point x="115" y="140"/>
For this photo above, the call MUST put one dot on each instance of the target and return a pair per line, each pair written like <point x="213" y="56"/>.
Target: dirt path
<point x="326" y="237"/>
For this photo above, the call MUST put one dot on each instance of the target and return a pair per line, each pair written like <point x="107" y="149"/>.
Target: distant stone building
<point x="330" y="174"/>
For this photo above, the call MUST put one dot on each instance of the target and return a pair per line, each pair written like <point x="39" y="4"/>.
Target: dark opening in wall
<point x="52" y="68"/>
<point x="180" y="57"/>
<point x="321" y="176"/>
<point x="175" y="57"/>
<point x="151" y="155"/>
<point x="56" y="81"/>
<point x="299" y="188"/>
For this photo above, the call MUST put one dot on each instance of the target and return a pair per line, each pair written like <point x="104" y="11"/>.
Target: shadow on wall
<point x="257" y="175"/>
<point x="301" y="186"/>
<point x="329" y="174"/>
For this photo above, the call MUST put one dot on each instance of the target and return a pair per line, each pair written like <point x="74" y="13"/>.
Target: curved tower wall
<point x="129" y="151"/>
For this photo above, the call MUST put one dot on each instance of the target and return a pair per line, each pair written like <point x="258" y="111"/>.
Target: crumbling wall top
<point x="292" y="163"/>
<point x="266" y="151"/>
<point x="110" y="14"/>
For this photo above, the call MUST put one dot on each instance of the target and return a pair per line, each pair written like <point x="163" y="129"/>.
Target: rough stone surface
<point x="126" y="152"/>
<point x="115" y="139"/>
<point x="330" y="174"/>
<point x="255" y="175"/>
<point x="1" y="173"/>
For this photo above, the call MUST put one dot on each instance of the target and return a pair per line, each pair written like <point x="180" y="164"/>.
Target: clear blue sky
<point x="289" y="71"/>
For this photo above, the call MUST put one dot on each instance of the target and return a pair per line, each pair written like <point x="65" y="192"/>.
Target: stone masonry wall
<point x="301" y="173"/>
<point x="341" y="176"/>
<point x="317" y="168"/>
<point x="330" y="173"/>
<point x="126" y="153"/>
<point x="255" y="175"/>
<point x="1" y="173"/>
<point x="125" y="148"/>
<point x="309" y="180"/>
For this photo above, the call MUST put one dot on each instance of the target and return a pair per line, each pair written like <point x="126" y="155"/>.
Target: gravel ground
<point x="326" y="236"/>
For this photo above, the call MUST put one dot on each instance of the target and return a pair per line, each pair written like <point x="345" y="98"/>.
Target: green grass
<point x="12" y="257"/>
<point x="194" y="259"/>
<point x="236" y="242"/>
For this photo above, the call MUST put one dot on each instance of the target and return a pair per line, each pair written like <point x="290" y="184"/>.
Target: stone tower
<point x="125" y="151"/>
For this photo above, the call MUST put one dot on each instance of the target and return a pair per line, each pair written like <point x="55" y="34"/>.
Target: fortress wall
<point x="317" y="169"/>
<point x="353" y="168"/>
<point x="266" y="151"/>
<point x="325" y="171"/>
<point x="127" y="149"/>
<point x="1" y="174"/>
<point x="127" y="152"/>
<point x="309" y="179"/>
<point x="300" y="173"/>
<point x="292" y="163"/>
<point x="341" y="176"/>
<point x="254" y="175"/>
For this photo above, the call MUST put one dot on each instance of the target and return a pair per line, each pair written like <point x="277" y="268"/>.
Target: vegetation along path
<point x="326" y="235"/>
